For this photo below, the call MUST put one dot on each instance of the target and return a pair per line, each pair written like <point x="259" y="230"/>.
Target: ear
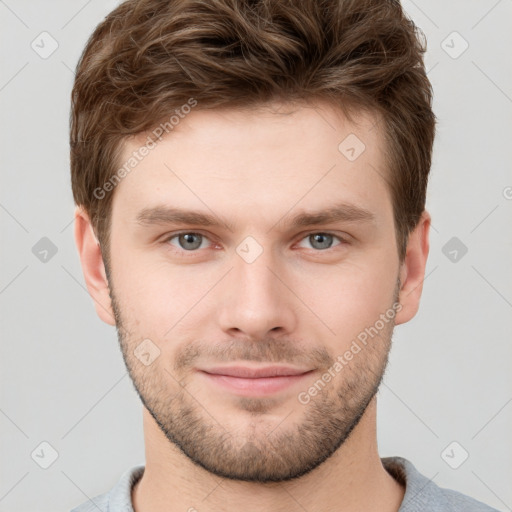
<point x="412" y="270"/>
<point x="93" y="267"/>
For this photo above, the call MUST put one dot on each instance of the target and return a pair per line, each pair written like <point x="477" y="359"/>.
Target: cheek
<point x="351" y="296"/>
<point x="157" y="297"/>
<point x="150" y="294"/>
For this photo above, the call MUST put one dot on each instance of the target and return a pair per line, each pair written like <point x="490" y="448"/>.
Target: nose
<point x="256" y="299"/>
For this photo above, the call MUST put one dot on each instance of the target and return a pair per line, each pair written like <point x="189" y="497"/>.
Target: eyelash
<point x="192" y="253"/>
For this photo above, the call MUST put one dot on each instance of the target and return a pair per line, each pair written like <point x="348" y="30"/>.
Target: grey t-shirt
<point x="421" y="494"/>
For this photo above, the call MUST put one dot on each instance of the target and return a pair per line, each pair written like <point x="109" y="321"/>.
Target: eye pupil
<point x="188" y="239"/>
<point x="324" y="239"/>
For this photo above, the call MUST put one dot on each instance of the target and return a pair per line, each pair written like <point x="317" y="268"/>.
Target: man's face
<point x="256" y="290"/>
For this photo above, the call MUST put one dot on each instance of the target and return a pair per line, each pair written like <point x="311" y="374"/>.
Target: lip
<point x="247" y="381"/>
<point x="247" y="372"/>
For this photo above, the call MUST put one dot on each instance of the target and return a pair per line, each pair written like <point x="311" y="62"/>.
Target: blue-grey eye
<point x="324" y="240"/>
<point x="189" y="241"/>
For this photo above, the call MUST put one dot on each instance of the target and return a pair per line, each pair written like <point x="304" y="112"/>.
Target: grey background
<point x="63" y="379"/>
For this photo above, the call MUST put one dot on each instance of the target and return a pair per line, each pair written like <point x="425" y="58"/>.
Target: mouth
<point x="253" y="381"/>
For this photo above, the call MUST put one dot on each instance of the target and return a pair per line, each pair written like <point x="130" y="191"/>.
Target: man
<point x="250" y="180"/>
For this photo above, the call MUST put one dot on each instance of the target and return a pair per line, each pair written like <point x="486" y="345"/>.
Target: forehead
<point x="258" y="160"/>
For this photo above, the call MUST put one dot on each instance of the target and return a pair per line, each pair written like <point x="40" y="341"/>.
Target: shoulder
<point x="117" y="499"/>
<point x="423" y="494"/>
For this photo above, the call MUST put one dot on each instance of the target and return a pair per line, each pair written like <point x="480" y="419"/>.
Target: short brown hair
<point x="149" y="57"/>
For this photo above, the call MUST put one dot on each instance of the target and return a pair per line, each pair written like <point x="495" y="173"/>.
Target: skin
<point x="302" y="301"/>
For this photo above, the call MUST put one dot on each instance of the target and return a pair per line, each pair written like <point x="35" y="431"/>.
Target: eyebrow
<point x="162" y="215"/>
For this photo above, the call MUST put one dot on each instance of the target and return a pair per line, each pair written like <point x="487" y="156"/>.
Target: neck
<point x="353" y="479"/>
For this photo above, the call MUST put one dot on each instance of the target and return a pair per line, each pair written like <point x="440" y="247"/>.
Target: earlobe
<point x="93" y="267"/>
<point x="412" y="272"/>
